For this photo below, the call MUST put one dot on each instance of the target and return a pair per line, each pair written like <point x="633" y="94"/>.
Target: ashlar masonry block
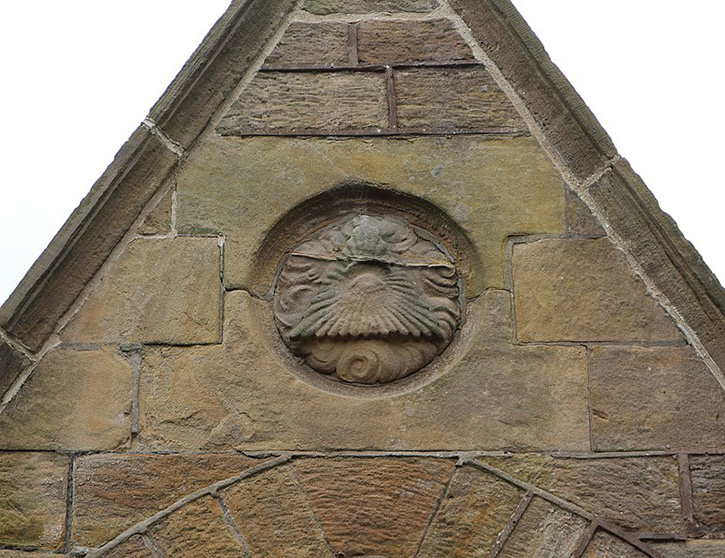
<point x="325" y="7"/>
<point x="159" y="291"/>
<point x="33" y="500"/>
<point x="74" y="400"/>
<point x="582" y="291"/>
<point x="312" y="43"/>
<point x="241" y="188"/>
<point x="654" y="398"/>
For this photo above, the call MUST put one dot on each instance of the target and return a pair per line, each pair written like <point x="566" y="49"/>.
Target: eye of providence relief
<point x="367" y="300"/>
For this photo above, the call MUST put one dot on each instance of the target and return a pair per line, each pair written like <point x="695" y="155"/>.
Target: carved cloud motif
<point x="368" y="300"/>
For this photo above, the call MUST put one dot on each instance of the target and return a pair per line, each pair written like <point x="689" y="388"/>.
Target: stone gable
<point x="369" y="281"/>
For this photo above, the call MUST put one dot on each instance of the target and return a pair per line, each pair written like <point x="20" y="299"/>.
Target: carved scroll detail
<point x="367" y="299"/>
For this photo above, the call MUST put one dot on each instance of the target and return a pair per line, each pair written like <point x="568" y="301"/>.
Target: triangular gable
<point x="548" y="362"/>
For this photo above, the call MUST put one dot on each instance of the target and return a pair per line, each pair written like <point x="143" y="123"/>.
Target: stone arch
<point x="408" y="505"/>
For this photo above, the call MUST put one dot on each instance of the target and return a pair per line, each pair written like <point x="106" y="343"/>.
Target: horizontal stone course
<point x="453" y="98"/>
<point x="158" y="291"/>
<point x="312" y="43"/>
<point x="583" y="291"/>
<point x="74" y="400"/>
<point x="394" y="42"/>
<point x="282" y="101"/>
<point x="654" y="398"/>
<point x="241" y="394"/>
<point x="33" y="500"/>
<point x="114" y="492"/>
<point x="325" y="7"/>
<point x="242" y="188"/>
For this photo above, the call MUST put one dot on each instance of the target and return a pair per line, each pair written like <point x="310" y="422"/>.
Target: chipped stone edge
<point x="581" y="188"/>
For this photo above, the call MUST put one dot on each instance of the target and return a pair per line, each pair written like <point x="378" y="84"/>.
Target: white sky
<point x="80" y="75"/>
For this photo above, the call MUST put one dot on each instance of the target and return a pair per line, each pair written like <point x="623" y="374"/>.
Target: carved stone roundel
<point x="367" y="300"/>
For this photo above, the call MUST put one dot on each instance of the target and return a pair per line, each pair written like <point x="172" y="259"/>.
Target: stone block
<point x="12" y="363"/>
<point x="395" y="42"/>
<point x="273" y="515"/>
<point x="654" y="398"/>
<point x="294" y="102"/>
<point x="544" y="531"/>
<point x="474" y="511"/>
<point x="325" y="7"/>
<point x="25" y="554"/>
<point x="114" y="492"/>
<point x="581" y="222"/>
<point x="158" y="221"/>
<point x="453" y="98"/>
<point x="488" y="188"/>
<point x="690" y="549"/>
<point x="96" y="227"/>
<point x="134" y="547"/>
<point x="374" y="507"/>
<point x="636" y="493"/>
<point x="604" y="545"/>
<point x="244" y="394"/>
<point x="312" y="43"/>
<point x="708" y="491"/>
<point x="158" y="291"/>
<point x="583" y="291"/>
<point x="33" y="500"/>
<point x="197" y="529"/>
<point x="74" y="400"/>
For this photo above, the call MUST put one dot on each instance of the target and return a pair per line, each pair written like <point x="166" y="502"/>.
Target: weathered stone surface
<point x="135" y="547"/>
<point x="386" y="42"/>
<point x="289" y="101"/>
<point x="691" y="549"/>
<point x="544" y="531"/>
<point x="312" y="43"/>
<point x="12" y="363"/>
<point x="211" y="75"/>
<point x="159" y="291"/>
<point x="274" y="517"/>
<point x="74" y="400"/>
<point x="604" y="545"/>
<point x="324" y="7"/>
<point x="84" y="243"/>
<point x="646" y="398"/>
<point x="25" y="554"/>
<point x="581" y="222"/>
<point x="474" y="511"/>
<point x="158" y="221"/>
<point x="635" y="493"/>
<point x="242" y="394"/>
<point x="374" y="507"/>
<point x="114" y="492"/>
<point x="32" y="499"/>
<point x="453" y="98"/>
<point x="569" y="125"/>
<point x="708" y="490"/>
<point x="488" y="187"/>
<point x="197" y="529"/>
<point x="583" y="290"/>
<point x="670" y="261"/>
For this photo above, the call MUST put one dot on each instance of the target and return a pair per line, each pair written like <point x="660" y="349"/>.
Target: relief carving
<point x="368" y="300"/>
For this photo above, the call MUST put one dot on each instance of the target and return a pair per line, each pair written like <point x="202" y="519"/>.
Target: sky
<point x="80" y="75"/>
